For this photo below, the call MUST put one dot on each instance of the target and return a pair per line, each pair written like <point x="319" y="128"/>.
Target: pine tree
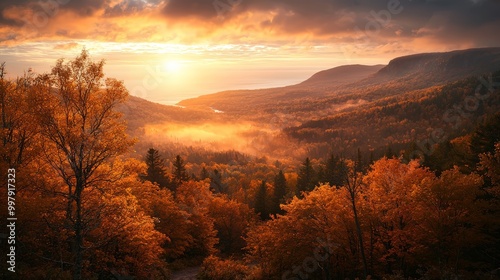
<point x="156" y="172"/>
<point x="280" y="190"/>
<point x="485" y="136"/>
<point x="331" y="166"/>
<point x="306" y="179"/>
<point x="261" y="201"/>
<point x="388" y="152"/>
<point x="334" y="173"/>
<point x="321" y="174"/>
<point x="216" y="182"/>
<point x="359" y="166"/>
<point x="179" y="175"/>
<point x="204" y="174"/>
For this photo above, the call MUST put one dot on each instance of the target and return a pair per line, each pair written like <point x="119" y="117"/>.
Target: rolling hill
<point x="350" y="106"/>
<point x="341" y="75"/>
<point x="317" y="86"/>
<point x="138" y="113"/>
<point x="351" y="83"/>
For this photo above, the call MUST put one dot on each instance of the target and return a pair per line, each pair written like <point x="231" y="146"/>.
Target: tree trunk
<point x="360" y="236"/>
<point x="77" y="272"/>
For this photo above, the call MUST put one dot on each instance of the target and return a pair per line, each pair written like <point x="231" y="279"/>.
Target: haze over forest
<point x="253" y="140"/>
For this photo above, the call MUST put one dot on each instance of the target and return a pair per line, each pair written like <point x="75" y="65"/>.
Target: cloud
<point x="67" y="46"/>
<point x="363" y="22"/>
<point x="337" y="19"/>
<point x="131" y="7"/>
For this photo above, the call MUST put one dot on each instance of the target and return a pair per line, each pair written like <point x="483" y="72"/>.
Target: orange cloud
<point x="251" y="21"/>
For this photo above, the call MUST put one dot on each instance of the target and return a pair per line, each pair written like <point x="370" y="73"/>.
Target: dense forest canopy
<point x="383" y="186"/>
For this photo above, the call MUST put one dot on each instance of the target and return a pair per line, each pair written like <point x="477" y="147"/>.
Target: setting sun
<point x="251" y="140"/>
<point x="172" y="66"/>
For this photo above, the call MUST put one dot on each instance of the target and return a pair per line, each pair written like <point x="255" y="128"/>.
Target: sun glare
<point x="172" y="66"/>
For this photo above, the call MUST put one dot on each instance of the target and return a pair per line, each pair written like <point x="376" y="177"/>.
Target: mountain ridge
<point x="319" y="85"/>
<point x="401" y="101"/>
<point x="411" y="72"/>
<point x="453" y="64"/>
<point x="354" y="72"/>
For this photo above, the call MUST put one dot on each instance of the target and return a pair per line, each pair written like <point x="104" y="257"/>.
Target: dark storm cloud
<point x="83" y="8"/>
<point x="476" y="20"/>
<point x="130" y="7"/>
<point x="446" y="20"/>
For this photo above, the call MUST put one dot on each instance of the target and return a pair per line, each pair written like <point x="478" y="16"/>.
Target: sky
<point x="169" y="50"/>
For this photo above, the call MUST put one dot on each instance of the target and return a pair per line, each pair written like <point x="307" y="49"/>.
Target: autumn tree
<point x="486" y="135"/>
<point x="490" y="202"/>
<point x="195" y="198"/>
<point x="450" y="219"/>
<point x="232" y="220"/>
<point x="17" y="129"/>
<point x="309" y="241"/>
<point x="123" y="235"/>
<point x="490" y="165"/>
<point x="170" y="219"/>
<point x="74" y="105"/>
<point x="215" y="268"/>
<point x="354" y="187"/>
<point x="391" y="208"/>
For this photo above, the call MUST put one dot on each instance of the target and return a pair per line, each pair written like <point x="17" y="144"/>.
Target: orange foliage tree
<point x="309" y="240"/>
<point x="231" y="219"/>
<point x="392" y="190"/>
<point x="74" y="109"/>
<point x="194" y="198"/>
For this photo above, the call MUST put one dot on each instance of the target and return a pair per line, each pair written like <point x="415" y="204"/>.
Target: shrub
<point x="214" y="268"/>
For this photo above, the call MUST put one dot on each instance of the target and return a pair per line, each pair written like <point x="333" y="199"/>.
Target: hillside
<point x="138" y="112"/>
<point x="390" y="105"/>
<point x="334" y="87"/>
<point x="401" y="119"/>
<point x="319" y="85"/>
<point x="341" y="75"/>
<point x="201" y="181"/>
<point x="442" y="67"/>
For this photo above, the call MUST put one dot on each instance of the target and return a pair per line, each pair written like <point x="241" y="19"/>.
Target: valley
<point x="335" y="111"/>
<point x="356" y="171"/>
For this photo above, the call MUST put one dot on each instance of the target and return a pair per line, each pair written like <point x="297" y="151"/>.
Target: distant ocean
<point x="258" y="80"/>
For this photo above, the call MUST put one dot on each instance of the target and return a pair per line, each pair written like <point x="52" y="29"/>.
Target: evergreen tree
<point x="204" y="174"/>
<point x="359" y="166"/>
<point x="388" y="152"/>
<point x="306" y="179"/>
<point x="335" y="170"/>
<point x="321" y="174"/>
<point x="179" y="175"/>
<point x="261" y="201"/>
<point x="156" y="168"/>
<point x="330" y="169"/>
<point x="216" y="182"/>
<point x="485" y="136"/>
<point x="280" y="190"/>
